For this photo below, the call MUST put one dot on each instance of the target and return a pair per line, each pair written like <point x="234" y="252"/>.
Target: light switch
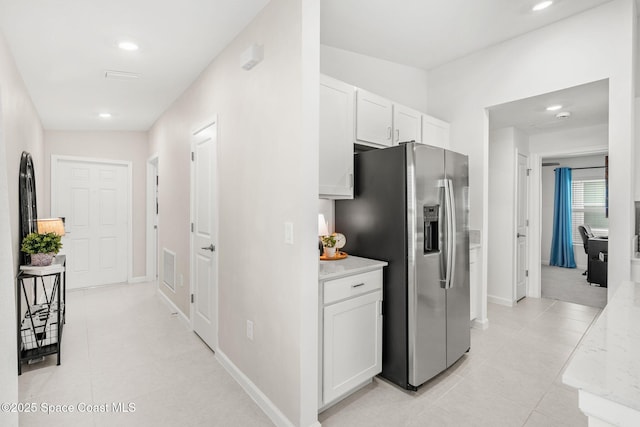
<point x="288" y="233"/>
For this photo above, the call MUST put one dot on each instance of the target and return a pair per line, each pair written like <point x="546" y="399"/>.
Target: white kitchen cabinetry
<point x="475" y="281"/>
<point x="407" y="124"/>
<point x="435" y="132"/>
<point x="336" y="138"/>
<point x="374" y="119"/>
<point x="350" y="327"/>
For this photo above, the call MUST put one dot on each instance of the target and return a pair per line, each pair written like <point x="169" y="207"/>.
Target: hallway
<point x="122" y="344"/>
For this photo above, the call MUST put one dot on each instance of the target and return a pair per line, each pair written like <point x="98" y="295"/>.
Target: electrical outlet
<point x="288" y="233"/>
<point x="250" y="330"/>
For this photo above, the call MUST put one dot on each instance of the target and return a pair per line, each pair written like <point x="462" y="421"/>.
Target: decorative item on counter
<point x="43" y="245"/>
<point x="330" y="242"/>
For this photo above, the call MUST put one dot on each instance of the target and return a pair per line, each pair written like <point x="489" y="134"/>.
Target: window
<point x="588" y="206"/>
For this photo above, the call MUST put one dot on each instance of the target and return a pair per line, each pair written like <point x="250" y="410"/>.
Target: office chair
<point x="586" y="234"/>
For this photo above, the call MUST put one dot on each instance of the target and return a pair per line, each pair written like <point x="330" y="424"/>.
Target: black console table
<point x="598" y="262"/>
<point x="40" y="326"/>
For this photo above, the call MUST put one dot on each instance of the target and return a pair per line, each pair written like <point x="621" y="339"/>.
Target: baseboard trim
<point x="174" y="308"/>
<point x="267" y="406"/>
<point x="500" y="301"/>
<point x="139" y="279"/>
<point x="480" y="324"/>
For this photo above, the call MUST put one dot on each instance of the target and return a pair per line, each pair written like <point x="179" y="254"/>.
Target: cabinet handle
<point x="358" y="285"/>
<point x="397" y="135"/>
<point x="389" y="132"/>
<point x="350" y="180"/>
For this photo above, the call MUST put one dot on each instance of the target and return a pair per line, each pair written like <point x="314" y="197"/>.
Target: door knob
<point x="209" y="248"/>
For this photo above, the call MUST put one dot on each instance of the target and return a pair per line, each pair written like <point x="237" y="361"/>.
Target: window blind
<point x="588" y="206"/>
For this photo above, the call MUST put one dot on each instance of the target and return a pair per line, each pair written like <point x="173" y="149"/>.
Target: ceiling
<point x="64" y="61"/>
<point x="429" y="33"/>
<point x="588" y="105"/>
<point x="63" y="48"/>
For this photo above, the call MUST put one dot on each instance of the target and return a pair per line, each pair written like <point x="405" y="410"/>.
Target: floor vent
<point x="169" y="268"/>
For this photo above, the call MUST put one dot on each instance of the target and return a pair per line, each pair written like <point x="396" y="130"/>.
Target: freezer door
<point x="426" y="270"/>
<point x="458" y="326"/>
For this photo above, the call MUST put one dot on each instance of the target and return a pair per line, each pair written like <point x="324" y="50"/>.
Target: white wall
<point x="597" y="44"/>
<point x="268" y="175"/>
<point x="20" y="129"/>
<point x="548" y="197"/>
<point x="125" y="146"/>
<point x="397" y="82"/>
<point x="504" y="146"/>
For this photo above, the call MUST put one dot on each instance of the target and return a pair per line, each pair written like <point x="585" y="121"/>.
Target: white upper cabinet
<point x="374" y="120"/>
<point x="336" y="138"/>
<point x="435" y="132"/>
<point x="407" y="124"/>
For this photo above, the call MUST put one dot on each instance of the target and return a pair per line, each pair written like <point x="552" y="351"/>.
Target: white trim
<point x="55" y="158"/>
<point x="139" y="279"/>
<point x="267" y="406"/>
<point x="500" y="301"/>
<point x="480" y="324"/>
<point x="151" y="246"/>
<point x="174" y="308"/>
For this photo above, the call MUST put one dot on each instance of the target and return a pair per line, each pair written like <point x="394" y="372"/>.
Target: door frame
<point x="215" y="205"/>
<point x="152" y="244"/>
<point x="527" y="156"/>
<point x="55" y="158"/>
<point x="535" y="210"/>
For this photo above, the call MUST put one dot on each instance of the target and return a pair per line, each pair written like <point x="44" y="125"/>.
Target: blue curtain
<point x="562" y="242"/>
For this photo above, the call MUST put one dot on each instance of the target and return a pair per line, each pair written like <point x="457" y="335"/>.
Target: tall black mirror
<point x="28" y="205"/>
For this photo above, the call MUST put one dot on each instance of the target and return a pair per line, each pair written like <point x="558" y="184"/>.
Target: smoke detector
<point x="563" y="115"/>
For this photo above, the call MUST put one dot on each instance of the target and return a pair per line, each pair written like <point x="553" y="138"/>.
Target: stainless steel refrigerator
<point x="410" y="208"/>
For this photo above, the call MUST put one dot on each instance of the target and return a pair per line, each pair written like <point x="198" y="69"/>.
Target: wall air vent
<point x="169" y="268"/>
<point x="120" y="75"/>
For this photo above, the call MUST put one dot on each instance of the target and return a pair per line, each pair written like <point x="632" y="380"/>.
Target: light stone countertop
<point x="348" y="266"/>
<point x="607" y="361"/>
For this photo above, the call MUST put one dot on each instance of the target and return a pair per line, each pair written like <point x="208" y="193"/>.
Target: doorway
<point x="153" y="210"/>
<point x="204" y="234"/>
<point x="567" y="122"/>
<point x="94" y="197"/>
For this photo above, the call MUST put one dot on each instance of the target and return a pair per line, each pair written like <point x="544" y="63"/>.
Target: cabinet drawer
<point x="347" y="287"/>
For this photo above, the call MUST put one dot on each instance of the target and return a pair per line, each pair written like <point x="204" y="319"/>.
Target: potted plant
<point x="41" y="247"/>
<point x="329" y="244"/>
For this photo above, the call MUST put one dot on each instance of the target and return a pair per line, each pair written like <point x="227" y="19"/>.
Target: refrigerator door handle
<point x="448" y="252"/>
<point x="452" y="238"/>
<point x="443" y="234"/>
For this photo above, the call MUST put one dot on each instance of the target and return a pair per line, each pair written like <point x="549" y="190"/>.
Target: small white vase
<point x="329" y="252"/>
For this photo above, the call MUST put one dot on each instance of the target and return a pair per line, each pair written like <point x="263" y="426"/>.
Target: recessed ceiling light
<point x="554" y="107"/>
<point x="104" y="115"/>
<point x="542" y="5"/>
<point x="563" y="115"/>
<point x="128" y="45"/>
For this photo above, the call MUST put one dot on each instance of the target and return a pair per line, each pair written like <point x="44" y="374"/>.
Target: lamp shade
<point x="50" y="225"/>
<point x="322" y="226"/>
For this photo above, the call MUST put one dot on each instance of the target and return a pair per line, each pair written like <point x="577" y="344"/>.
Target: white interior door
<point x="204" y="310"/>
<point x="522" y="228"/>
<point x="93" y="197"/>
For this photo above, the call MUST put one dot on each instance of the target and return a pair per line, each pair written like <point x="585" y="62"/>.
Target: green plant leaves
<point x="36" y="243"/>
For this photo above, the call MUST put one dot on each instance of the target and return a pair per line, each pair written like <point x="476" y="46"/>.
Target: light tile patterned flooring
<point x="121" y="344"/>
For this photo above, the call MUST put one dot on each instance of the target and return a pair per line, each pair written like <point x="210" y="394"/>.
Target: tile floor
<point x="122" y="344"/>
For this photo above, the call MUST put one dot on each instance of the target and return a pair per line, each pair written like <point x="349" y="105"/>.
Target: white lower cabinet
<point x="351" y="348"/>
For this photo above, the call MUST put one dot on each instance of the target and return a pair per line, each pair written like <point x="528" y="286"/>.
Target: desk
<point x="597" y="269"/>
<point x="39" y="328"/>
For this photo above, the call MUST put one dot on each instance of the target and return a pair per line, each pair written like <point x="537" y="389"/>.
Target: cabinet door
<point x="435" y="132"/>
<point x="352" y="344"/>
<point x="374" y="116"/>
<point x="407" y="124"/>
<point x="336" y="138"/>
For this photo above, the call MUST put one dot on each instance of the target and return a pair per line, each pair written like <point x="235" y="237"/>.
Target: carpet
<point x="569" y="285"/>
